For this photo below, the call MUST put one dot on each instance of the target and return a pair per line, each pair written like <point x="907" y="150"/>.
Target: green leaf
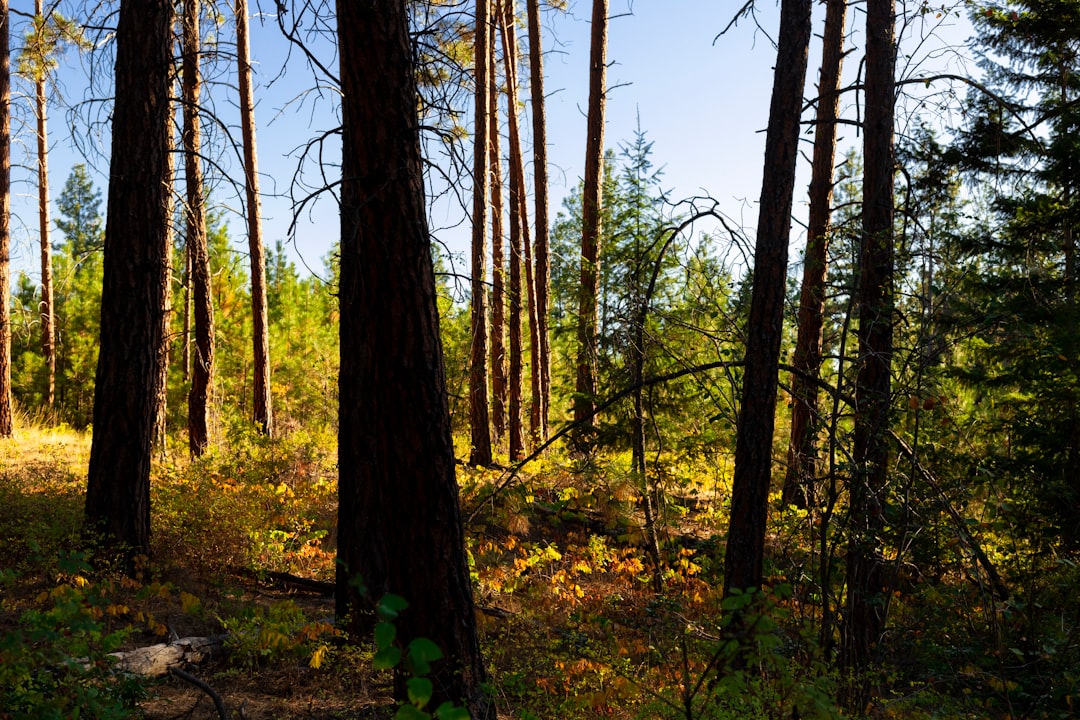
<point x="447" y="711"/>
<point x="384" y="635"/>
<point x="422" y="652"/>
<point x="386" y="658"/>
<point x="410" y="712"/>
<point x="391" y="606"/>
<point x="420" y="690"/>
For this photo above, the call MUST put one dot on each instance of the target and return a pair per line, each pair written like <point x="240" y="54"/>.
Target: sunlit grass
<point x="42" y="481"/>
<point x="43" y="452"/>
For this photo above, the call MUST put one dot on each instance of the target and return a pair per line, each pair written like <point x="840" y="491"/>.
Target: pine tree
<point x="1020" y="295"/>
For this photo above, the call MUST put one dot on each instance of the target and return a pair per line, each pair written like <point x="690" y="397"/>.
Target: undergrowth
<point x="571" y="624"/>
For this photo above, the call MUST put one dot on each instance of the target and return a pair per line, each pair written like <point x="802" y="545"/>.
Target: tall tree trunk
<point x="135" y="281"/>
<point x="260" y="324"/>
<point x="498" y="254"/>
<point x="864" y="619"/>
<point x="591" y="198"/>
<point x="6" y="415"/>
<point x="187" y="313"/>
<point x="802" y="450"/>
<point x="400" y="526"/>
<point x="202" y="377"/>
<point x="535" y="387"/>
<point x="479" y="416"/>
<point x="161" y="436"/>
<point x="542" y="276"/>
<point x="519" y="229"/>
<point x="744" y="559"/>
<point x="48" y="324"/>
<point x="637" y="446"/>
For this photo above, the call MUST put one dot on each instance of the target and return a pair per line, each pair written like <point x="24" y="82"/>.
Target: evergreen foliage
<point x="1017" y="299"/>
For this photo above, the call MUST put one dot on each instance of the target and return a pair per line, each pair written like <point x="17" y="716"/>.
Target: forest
<point x="626" y="457"/>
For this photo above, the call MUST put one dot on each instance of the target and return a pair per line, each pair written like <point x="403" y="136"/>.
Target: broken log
<point x="157" y="660"/>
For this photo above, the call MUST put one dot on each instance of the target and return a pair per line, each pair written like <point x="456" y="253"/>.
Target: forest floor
<point x="570" y="621"/>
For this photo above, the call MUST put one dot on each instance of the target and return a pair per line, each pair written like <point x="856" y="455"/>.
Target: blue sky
<point x="701" y="99"/>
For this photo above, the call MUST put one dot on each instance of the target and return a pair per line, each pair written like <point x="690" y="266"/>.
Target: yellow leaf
<point x="189" y="602"/>
<point x="318" y="656"/>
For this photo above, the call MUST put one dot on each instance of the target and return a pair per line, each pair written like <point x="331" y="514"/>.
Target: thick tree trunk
<point x="400" y="528"/>
<point x="263" y="412"/>
<point x="498" y="254"/>
<point x="135" y="282"/>
<point x="479" y="415"/>
<point x="6" y="414"/>
<point x="542" y="275"/>
<point x="864" y="618"/>
<point x="745" y="553"/>
<point x="584" y="402"/>
<point x="202" y="376"/>
<point x="519" y="229"/>
<point x="802" y="450"/>
<point x="48" y="315"/>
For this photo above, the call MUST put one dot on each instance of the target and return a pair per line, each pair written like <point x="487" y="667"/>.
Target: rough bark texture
<point x="753" y="447"/>
<point x="262" y="408"/>
<point x="6" y="415"/>
<point x="135" y="282"/>
<point x="584" y="402"/>
<point x="161" y="437"/>
<point x="535" y="390"/>
<point x="202" y="375"/>
<point x="802" y="450"/>
<point x="186" y="359"/>
<point x="519" y="230"/>
<point x="479" y="415"/>
<point x="498" y="256"/>
<point x="48" y="315"/>
<point x="542" y="275"/>
<point x="400" y="527"/>
<point x="864" y="618"/>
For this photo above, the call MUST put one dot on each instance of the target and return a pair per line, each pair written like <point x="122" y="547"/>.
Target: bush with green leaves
<point x="55" y="663"/>
<point x="256" y="636"/>
<point x="413" y="660"/>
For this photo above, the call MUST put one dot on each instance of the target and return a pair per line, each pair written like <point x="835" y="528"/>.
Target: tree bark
<point x="202" y="376"/>
<point x="591" y="198"/>
<point x="535" y="388"/>
<point x="802" y="449"/>
<point x="400" y="528"/>
<point x="498" y="253"/>
<point x="161" y="436"/>
<point x="263" y="411"/>
<point x="864" y="619"/>
<point x="48" y="319"/>
<point x="479" y="415"/>
<point x="186" y="372"/>
<point x="542" y="275"/>
<point x="6" y="415"/>
<point x="519" y="229"/>
<point x="745" y="553"/>
<point x="135" y="282"/>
